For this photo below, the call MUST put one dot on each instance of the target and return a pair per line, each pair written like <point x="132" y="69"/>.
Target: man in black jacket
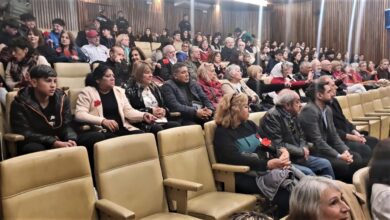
<point x="117" y="63"/>
<point x="316" y="120"/>
<point x="346" y="130"/>
<point x="185" y="96"/>
<point x="41" y="113"/>
<point x="280" y="124"/>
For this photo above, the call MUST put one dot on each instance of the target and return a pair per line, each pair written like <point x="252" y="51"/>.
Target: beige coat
<point x="228" y="88"/>
<point x="90" y="110"/>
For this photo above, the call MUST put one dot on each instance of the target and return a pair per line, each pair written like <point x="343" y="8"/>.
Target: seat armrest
<point x="382" y="111"/>
<point x="174" y="114"/>
<point x="113" y="210"/>
<point x="366" y="118"/>
<point x="359" y="122"/>
<point x="13" y="137"/>
<point x="182" y="184"/>
<point x="230" y="168"/>
<point x="378" y="114"/>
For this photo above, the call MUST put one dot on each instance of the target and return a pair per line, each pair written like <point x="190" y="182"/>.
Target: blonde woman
<point x="123" y="41"/>
<point x="208" y="81"/>
<point x="237" y="142"/>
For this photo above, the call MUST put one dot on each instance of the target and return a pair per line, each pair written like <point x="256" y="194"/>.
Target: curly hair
<point x="229" y="109"/>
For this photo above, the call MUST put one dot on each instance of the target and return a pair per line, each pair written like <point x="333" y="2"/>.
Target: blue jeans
<point x="315" y="166"/>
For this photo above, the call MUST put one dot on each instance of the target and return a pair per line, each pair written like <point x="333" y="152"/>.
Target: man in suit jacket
<point x="164" y="69"/>
<point x="316" y="120"/>
<point x="362" y="144"/>
<point x="281" y="125"/>
<point x="185" y="96"/>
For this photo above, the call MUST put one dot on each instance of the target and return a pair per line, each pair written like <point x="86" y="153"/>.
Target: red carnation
<point x="96" y="103"/>
<point x="165" y="61"/>
<point x="265" y="142"/>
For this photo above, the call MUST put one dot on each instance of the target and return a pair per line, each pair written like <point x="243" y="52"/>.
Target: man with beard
<point x="316" y="119"/>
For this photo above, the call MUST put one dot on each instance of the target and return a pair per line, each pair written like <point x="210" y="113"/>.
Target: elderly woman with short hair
<point x="238" y="142"/>
<point x="317" y="198"/>
<point x="235" y="84"/>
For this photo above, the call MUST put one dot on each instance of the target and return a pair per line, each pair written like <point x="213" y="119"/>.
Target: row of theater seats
<point x="369" y="111"/>
<point x="130" y="175"/>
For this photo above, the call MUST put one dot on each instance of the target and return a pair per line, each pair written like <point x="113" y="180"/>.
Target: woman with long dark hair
<point x="68" y="51"/>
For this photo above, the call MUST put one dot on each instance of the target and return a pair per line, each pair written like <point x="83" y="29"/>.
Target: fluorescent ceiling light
<point x="263" y="3"/>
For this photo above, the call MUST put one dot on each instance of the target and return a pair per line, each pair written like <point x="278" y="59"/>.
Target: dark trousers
<point x="344" y="171"/>
<point x="364" y="150"/>
<point x="26" y="148"/>
<point x="247" y="184"/>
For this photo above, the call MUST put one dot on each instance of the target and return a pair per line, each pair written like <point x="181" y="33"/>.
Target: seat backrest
<point x="385" y="99"/>
<point x="73" y="94"/>
<point x="52" y="184"/>
<point x="155" y="45"/>
<point x="367" y="102"/>
<point x="376" y="99"/>
<point x="183" y="155"/>
<point x="354" y="102"/>
<point x="256" y="117"/>
<point x="344" y="106"/>
<point x="128" y="172"/>
<point x="9" y="99"/>
<point x="360" y="180"/>
<point x="71" y="75"/>
<point x="145" y="47"/>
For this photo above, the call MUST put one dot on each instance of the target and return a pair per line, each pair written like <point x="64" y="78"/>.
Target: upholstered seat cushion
<point x="169" y="216"/>
<point x="219" y="205"/>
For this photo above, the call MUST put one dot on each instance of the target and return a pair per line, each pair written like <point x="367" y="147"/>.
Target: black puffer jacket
<point x="27" y="119"/>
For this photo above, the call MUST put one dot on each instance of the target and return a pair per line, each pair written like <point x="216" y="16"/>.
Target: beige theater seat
<point x="2" y="70"/>
<point x="128" y="173"/>
<point x="71" y="75"/>
<point x="145" y="47"/>
<point x="384" y="97"/>
<point x="372" y="126"/>
<point x="184" y="156"/>
<point x="360" y="180"/>
<point x="52" y="184"/>
<point x="361" y="105"/>
<point x="377" y="101"/>
<point x="256" y="117"/>
<point x="11" y="138"/>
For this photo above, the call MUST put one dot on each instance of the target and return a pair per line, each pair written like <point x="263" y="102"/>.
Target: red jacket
<point x="294" y="84"/>
<point x="212" y="90"/>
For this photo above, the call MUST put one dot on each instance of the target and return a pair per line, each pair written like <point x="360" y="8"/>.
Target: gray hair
<point x="304" y="64"/>
<point x="229" y="39"/>
<point x="193" y="49"/>
<point x="306" y="196"/>
<point x="286" y="96"/>
<point x="286" y="65"/>
<point x="229" y="70"/>
<point x="166" y="49"/>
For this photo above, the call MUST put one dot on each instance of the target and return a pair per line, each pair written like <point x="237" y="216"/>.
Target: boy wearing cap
<point x="94" y="50"/>
<point x="41" y="113"/>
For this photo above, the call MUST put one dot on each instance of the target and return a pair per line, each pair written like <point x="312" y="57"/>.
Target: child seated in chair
<point x="41" y="113"/>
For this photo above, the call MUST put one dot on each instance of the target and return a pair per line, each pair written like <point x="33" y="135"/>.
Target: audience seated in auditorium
<point x="326" y="68"/>
<point x="228" y="49"/>
<point x="208" y="81"/>
<point x="164" y="66"/>
<point x="123" y="41"/>
<point x="205" y="51"/>
<point x="316" y="120"/>
<point x="280" y="124"/>
<point x="351" y="79"/>
<point x="164" y="36"/>
<point x="105" y="107"/>
<point x="106" y="37"/>
<point x="68" y="51"/>
<point x="28" y="22"/>
<point x="237" y="142"/>
<point x="94" y="50"/>
<point x="53" y="37"/>
<point x="185" y="36"/>
<point x="36" y="40"/>
<point x="193" y="62"/>
<point x="316" y="67"/>
<point x="296" y="59"/>
<point x="144" y="95"/>
<point x="182" y="55"/>
<point x="103" y="19"/>
<point x="41" y="113"/>
<point x="278" y="57"/>
<point x="318" y="198"/>
<point x="216" y="59"/>
<point x="216" y="42"/>
<point x="365" y="74"/>
<point x="147" y="36"/>
<point x="305" y="71"/>
<point x="81" y="39"/>
<point x="117" y="63"/>
<point x="24" y="58"/>
<point x="383" y="69"/>
<point x="177" y="42"/>
<point x="186" y="96"/>
<point x="378" y="186"/>
<point x="237" y="58"/>
<point x="9" y="31"/>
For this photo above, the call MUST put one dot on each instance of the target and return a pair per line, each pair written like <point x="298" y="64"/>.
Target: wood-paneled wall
<point x="281" y="22"/>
